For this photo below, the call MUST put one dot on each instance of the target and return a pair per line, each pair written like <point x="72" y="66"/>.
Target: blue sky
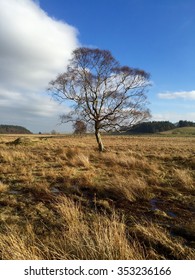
<point x="155" y="35"/>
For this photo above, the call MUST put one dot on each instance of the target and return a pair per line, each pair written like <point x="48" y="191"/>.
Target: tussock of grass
<point x="5" y="157"/>
<point x="81" y="160"/>
<point x="72" y="152"/>
<point x="183" y="178"/>
<point x="157" y="237"/>
<point x="131" y="189"/>
<point x="15" y="245"/>
<point x="3" y="187"/>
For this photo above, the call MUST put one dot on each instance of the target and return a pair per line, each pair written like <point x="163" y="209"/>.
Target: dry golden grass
<point x="184" y="178"/>
<point x="97" y="237"/>
<point x="156" y="236"/>
<point x="62" y="199"/>
<point x="3" y="187"/>
<point x="19" y="246"/>
<point x="102" y="238"/>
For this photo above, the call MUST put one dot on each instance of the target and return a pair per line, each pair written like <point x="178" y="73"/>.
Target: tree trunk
<point x="99" y="140"/>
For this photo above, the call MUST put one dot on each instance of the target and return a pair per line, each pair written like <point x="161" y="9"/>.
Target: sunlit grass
<point x="62" y="199"/>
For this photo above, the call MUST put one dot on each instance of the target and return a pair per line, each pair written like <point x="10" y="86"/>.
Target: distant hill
<point x="180" y="131"/>
<point x="182" y="127"/>
<point x="13" y="129"/>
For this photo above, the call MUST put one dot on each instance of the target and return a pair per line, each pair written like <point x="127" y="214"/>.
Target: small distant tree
<point x="79" y="127"/>
<point x="53" y="132"/>
<point x="104" y="94"/>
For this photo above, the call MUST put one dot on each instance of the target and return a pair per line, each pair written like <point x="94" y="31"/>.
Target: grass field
<point x="62" y="199"/>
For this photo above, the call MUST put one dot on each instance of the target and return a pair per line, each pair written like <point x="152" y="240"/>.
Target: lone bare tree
<point x="103" y="94"/>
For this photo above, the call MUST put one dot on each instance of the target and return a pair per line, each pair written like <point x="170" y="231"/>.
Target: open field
<point x="62" y="199"/>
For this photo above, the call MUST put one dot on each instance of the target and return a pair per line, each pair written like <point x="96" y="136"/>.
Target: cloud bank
<point x="187" y="95"/>
<point x="173" y="116"/>
<point x="34" y="48"/>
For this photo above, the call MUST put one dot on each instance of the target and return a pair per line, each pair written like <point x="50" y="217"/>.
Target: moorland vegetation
<point x="60" y="198"/>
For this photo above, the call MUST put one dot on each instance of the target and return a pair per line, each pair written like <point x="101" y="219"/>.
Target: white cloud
<point x="173" y="116"/>
<point x="34" y="48"/>
<point x="33" y="104"/>
<point x="186" y="95"/>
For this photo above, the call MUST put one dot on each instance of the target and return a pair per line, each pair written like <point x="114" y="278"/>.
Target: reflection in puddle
<point x="55" y="190"/>
<point x="155" y="201"/>
<point x="15" y="192"/>
<point x="171" y="214"/>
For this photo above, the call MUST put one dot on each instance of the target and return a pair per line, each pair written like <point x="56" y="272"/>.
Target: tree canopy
<point x="185" y="123"/>
<point x="151" y="127"/>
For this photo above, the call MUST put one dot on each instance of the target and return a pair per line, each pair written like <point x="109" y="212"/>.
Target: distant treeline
<point x="185" y="124"/>
<point x="155" y="127"/>
<point x="13" y="129"/>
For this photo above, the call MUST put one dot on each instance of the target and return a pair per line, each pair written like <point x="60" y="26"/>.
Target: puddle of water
<point x="15" y="192"/>
<point x="153" y="203"/>
<point x="55" y="190"/>
<point x="171" y="214"/>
